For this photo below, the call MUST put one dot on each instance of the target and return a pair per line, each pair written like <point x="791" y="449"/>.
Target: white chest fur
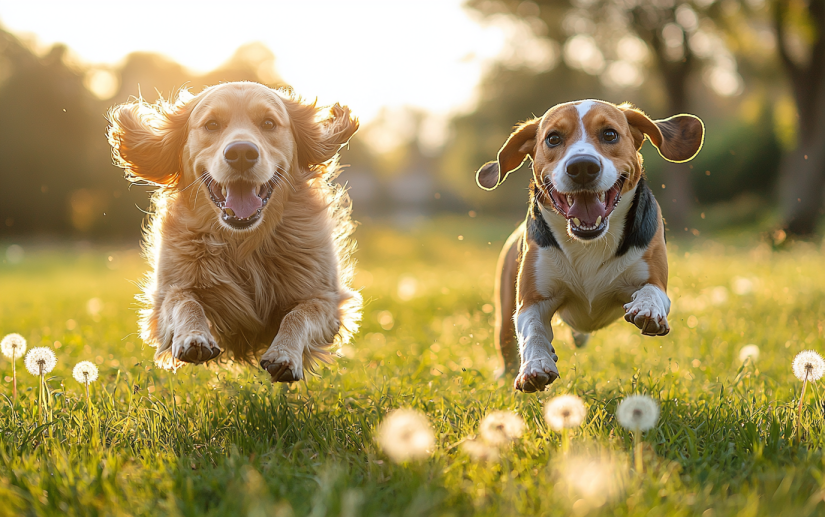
<point x="586" y="281"/>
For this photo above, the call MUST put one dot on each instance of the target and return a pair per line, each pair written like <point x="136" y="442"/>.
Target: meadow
<point x="222" y="440"/>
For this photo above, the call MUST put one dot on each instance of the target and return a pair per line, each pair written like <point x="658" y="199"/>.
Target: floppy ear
<point x="678" y="138"/>
<point x="147" y="139"/>
<point x="319" y="132"/>
<point x="520" y="144"/>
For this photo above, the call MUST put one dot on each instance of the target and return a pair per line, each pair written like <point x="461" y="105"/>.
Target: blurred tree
<point x="800" y="34"/>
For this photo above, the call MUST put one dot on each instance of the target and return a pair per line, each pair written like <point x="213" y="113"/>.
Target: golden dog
<point x="249" y="238"/>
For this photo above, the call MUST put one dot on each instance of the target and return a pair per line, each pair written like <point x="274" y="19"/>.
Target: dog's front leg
<point x="535" y="338"/>
<point x="305" y="334"/>
<point x="186" y="330"/>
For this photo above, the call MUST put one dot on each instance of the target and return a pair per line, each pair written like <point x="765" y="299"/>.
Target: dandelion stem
<point x="799" y="410"/>
<point x="565" y="441"/>
<point x="13" y="376"/>
<point x="637" y="450"/>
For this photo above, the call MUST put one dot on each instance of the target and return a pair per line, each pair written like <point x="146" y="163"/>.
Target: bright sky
<point x="364" y="53"/>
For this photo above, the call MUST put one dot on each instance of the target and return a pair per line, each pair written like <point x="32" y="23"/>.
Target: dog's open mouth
<point x="240" y="203"/>
<point x="587" y="211"/>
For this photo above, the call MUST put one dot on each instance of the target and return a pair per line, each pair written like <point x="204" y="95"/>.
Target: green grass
<point x="230" y="443"/>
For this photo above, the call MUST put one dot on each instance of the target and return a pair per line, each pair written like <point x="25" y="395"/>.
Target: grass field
<point x="224" y="441"/>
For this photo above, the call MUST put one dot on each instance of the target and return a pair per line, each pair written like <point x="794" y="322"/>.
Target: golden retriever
<point x="249" y="239"/>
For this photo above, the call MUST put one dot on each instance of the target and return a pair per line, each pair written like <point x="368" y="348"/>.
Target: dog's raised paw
<point x="647" y="316"/>
<point x="536" y="376"/>
<point x="195" y="347"/>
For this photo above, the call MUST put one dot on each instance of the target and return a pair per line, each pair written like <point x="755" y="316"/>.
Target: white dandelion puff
<point x="40" y="360"/>
<point x="13" y="346"/>
<point x="480" y="451"/>
<point x="564" y="411"/>
<point x="638" y="413"/>
<point x="406" y="435"/>
<point x="501" y="427"/>
<point x="808" y="365"/>
<point x="85" y="372"/>
<point x="749" y="352"/>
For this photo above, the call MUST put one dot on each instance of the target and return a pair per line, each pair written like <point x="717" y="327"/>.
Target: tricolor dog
<point x="593" y="245"/>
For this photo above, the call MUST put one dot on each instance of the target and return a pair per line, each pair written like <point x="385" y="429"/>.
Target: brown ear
<point x="147" y="139"/>
<point x="520" y="144"/>
<point x="319" y="132"/>
<point x="678" y="138"/>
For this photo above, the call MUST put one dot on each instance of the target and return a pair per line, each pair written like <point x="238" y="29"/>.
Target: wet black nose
<point x="241" y="155"/>
<point x="583" y="169"/>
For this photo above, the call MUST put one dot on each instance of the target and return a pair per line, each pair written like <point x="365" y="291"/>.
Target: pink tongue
<point x="586" y="208"/>
<point x="242" y="199"/>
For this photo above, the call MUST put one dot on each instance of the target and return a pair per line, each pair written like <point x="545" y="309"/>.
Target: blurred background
<point x="438" y="85"/>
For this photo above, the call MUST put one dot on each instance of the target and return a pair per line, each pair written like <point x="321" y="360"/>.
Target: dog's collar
<point x="640" y="225"/>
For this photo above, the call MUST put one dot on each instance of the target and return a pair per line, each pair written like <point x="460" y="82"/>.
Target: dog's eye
<point x="610" y="135"/>
<point x="553" y="140"/>
<point x="212" y="125"/>
<point x="268" y="124"/>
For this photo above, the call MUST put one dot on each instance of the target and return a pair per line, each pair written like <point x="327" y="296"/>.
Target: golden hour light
<point x="369" y="258"/>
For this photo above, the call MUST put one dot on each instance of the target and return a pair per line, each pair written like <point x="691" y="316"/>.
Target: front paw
<point x="195" y="347"/>
<point x="648" y="316"/>
<point x="282" y="366"/>
<point x="536" y="375"/>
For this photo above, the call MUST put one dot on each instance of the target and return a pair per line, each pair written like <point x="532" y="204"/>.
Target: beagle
<point x="592" y="247"/>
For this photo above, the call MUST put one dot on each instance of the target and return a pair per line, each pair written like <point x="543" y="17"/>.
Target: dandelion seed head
<point x="406" y="435"/>
<point x="480" y="451"/>
<point x="808" y="365"/>
<point x="85" y="372"/>
<point x="501" y="427"/>
<point x="597" y="479"/>
<point x="40" y="360"/>
<point x="749" y="352"/>
<point x="564" y="411"/>
<point x="13" y="346"/>
<point x="638" y="412"/>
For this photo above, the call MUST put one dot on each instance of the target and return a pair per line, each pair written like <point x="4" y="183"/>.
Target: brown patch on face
<point x="603" y="118"/>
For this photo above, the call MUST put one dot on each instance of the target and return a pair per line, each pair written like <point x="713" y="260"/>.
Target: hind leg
<point x="580" y="338"/>
<point x="505" y="301"/>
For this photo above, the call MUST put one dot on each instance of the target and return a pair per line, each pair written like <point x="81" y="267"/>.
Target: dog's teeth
<point x="576" y="221"/>
<point x="229" y="211"/>
<point x="570" y="200"/>
<point x="598" y="220"/>
<point x="601" y="198"/>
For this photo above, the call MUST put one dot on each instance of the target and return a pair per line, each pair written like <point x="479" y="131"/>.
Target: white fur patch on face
<point x="582" y="147"/>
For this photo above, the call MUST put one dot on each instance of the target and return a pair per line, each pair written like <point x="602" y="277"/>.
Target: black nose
<point x="583" y="169"/>
<point x="241" y="155"/>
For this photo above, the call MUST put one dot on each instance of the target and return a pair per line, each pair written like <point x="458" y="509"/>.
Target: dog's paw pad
<point x="536" y="376"/>
<point x="280" y="371"/>
<point x="196" y="348"/>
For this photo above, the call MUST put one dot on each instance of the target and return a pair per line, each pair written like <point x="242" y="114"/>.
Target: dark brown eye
<point x="553" y="140"/>
<point x="212" y="125"/>
<point x="610" y="135"/>
<point x="268" y="124"/>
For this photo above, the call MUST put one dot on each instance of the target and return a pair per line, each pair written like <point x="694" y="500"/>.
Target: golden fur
<point x="280" y="287"/>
